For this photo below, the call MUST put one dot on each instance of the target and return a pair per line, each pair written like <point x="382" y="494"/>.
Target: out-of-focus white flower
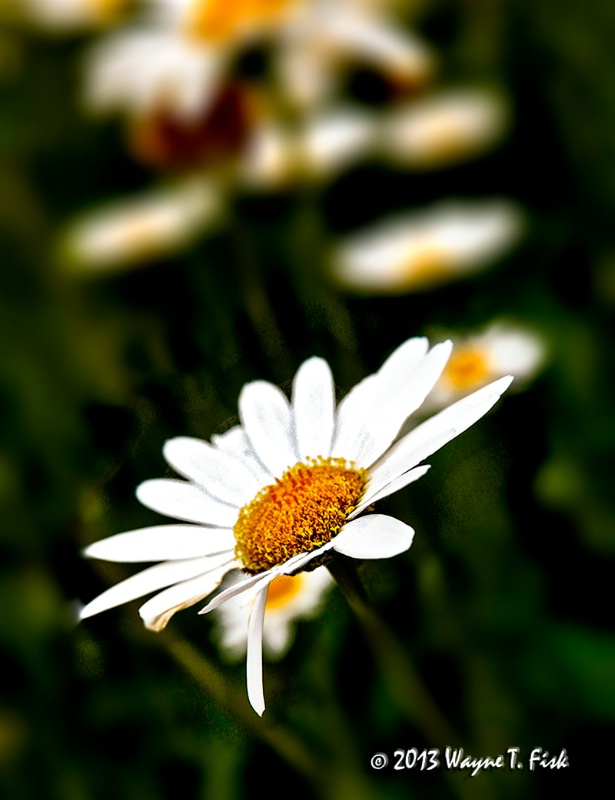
<point x="290" y="598"/>
<point x="286" y="489"/>
<point x="317" y="150"/>
<point x="325" y="35"/>
<point x="66" y="15"/>
<point x="143" y="70"/>
<point x="224" y="22"/>
<point x="423" y="249"/>
<point x="443" y="128"/>
<point x="131" y="231"/>
<point x="501" y="348"/>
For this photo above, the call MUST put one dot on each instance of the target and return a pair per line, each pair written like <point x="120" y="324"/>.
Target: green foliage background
<point x="505" y="600"/>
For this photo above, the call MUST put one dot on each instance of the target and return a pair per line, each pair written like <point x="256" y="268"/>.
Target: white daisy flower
<point x="131" y="231"/>
<point x="324" y="35"/>
<point x="444" y="128"/>
<point x="422" y="249"/>
<point x="290" y="598"/>
<point x="287" y="489"/>
<point x="501" y="348"/>
<point x="66" y="15"/>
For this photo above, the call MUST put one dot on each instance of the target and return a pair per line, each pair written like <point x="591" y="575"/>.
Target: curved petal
<point x="399" y="393"/>
<point x="378" y="492"/>
<point x="163" y="543"/>
<point x="373" y="536"/>
<point x="262" y="579"/>
<point x="254" y="658"/>
<point x="156" y="612"/>
<point x="221" y="475"/>
<point x="362" y="405"/>
<point x="151" y="580"/>
<point x="313" y="405"/>
<point x="185" y="500"/>
<point x="266" y="419"/>
<point x="437" y="431"/>
<point x="236" y="443"/>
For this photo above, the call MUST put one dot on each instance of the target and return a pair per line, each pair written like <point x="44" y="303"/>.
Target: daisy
<point x="426" y="248"/>
<point x="499" y="349"/>
<point x="290" y="598"/>
<point x="130" y="231"/>
<point x="444" y="128"/>
<point x="287" y="489"/>
<point x="68" y="15"/>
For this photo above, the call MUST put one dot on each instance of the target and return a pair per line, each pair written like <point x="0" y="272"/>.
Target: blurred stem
<point x="403" y="680"/>
<point x="279" y="738"/>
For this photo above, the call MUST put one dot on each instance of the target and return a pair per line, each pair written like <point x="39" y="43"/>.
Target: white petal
<point x="437" y="431"/>
<point x="159" y="610"/>
<point x="186" y="501"/>
<point x="236" y="443"/>
<point x="262" y="579"/>
<point x="357" y="406"/>
<point x="254" y="659"/>
<point x="266" y="419"/>
<point x="397" y="394"/>
<point x="151" y="580"/>
<point x="373" y="536"/>
<point x="163" y="543"/>
<point x="313" y="404"/>
<point x="378" y="492"/>
<point x="350" y="413"/>
<point x="221" y="475"/>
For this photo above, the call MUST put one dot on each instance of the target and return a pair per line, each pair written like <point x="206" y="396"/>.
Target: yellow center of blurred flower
<point x="225" y="20"/>
<point x="427" y="264"/>
<point x="300" y="512"/>
<point x="283" y="590"/>
<point x="466" y="368"/>
<point x="108" y="10"/>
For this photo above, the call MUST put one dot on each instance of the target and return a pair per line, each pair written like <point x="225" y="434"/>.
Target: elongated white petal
<point x="405" y="357"/>
<point x="259" y="581"/>
<point x="236" y="444"/>
<point x="358" y="404"/>
<point x="186" y="501"/>
<point x="373" y="494"/>
<point x="373" y="536"/>
<point x="254" y="658"/>
<point x="395" y="394"/>
<point x="266" y="418"/>
<point x="162" y="543"/>
<point x="313" y="405"/>
<point x="399" y="394"/>
<point x="349" y="413"/>
<point x="156" y="612"/>
<point x="151" y="580"/>
<point x="221" y="475"/>
<point x="437" y="431"/>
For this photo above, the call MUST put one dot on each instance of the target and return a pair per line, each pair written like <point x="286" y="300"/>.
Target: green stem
<point x="403" y="680"/>
<point x="281" y="740"/>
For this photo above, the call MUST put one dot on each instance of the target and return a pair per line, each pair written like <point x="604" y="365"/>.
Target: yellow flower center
<point x="466" y="368"/>
<point x="300" y="512"/>
<point x="283" y="590"/>
<point x="428" y="264"/>
<point x="108" y="10"/>
<point x="225" y="20"/>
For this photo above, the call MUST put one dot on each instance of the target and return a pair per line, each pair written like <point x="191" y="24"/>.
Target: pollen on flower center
<point x="301" y="511"/>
